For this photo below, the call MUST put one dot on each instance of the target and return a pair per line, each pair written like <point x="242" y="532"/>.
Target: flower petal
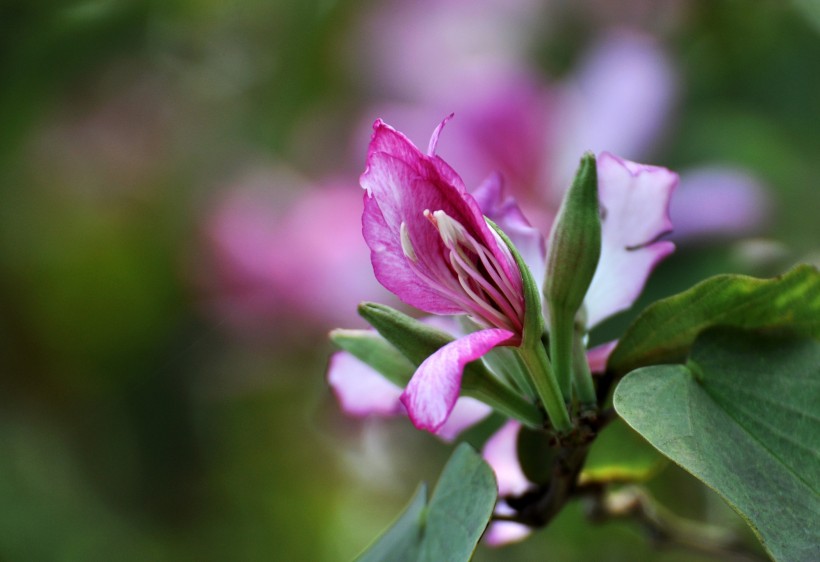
<point x="501" y="453"/>
<point x="619" y="100"/>
<point x="635" y="213"/>
<point x="505" y="212"/>
<point x="432" y="392"/>
<point x="466" y="413"/>
<point x="402" y="184"/>
<point x="360" y="389"/>
<point x="718" y="201"/>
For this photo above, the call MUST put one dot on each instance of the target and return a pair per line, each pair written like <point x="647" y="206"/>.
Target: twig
<point x="665" y="529"/>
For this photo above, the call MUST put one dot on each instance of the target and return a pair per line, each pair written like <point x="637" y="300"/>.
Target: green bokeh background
<point x="135" y="427"/>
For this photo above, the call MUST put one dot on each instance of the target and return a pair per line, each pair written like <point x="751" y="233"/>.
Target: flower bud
<point x="574" y="250"/>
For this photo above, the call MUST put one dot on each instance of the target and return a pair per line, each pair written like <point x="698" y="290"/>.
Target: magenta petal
<point x="404" y="186"/>
<point x="360" y="389"/>
<point x="500" y="533"/>
<point x="466" y="413"/>
<point x="635" y="211"/>
<point x="390" y="264"/>
<point x="501" y="453"/>
<point x="599" y="355"/>
<point x="432" y="392"/>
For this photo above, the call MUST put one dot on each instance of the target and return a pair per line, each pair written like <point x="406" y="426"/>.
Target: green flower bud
<point x="574" y="250"/>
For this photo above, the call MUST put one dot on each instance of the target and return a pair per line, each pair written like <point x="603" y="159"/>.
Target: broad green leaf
<point x="371" y="348"/>
<point x="449" y="527"/>
<point x="621" y="455"/>
<point x="664" y="332"/>
<point x="402" y="540"/>
<point x="742" y="417"/>
<point x="460" y="508"/>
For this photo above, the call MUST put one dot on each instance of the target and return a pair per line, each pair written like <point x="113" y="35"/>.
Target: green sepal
<point x="575" y="241"/>
<point x="418" y="341"/>
<point x="533" y="318"/>
<point x="572" y="258"/>
<point x="531" y="351"/>
<point x="373" y="349"/>
<point x="415" y="340"/>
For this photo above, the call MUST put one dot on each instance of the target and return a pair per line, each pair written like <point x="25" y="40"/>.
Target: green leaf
<point x="664" y="331"/>
<point x="377" y="352"/>
<point x="416" y="340"/>
<point x="621" y="455"/>
<point x="449" y="527"/>
<point x="742" y="417"/>
<point x="402" y="540"/>
<point x="460" y="508"/>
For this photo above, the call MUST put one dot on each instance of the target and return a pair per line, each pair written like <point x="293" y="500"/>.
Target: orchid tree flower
<point x="432" y="246"/>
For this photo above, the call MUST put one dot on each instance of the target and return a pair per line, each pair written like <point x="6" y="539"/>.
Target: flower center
<point x="472" y="276"/>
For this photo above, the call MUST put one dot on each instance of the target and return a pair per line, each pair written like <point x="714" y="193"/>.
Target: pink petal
<point x="599" y="355"/>
<point x="718" y="201"/>
<point x="360" y="389"/>
<point x="505" y="532"/>
<point x="432" y="392"/>
<point x="501" y="453"/>
<point x="505" y="212"/>
<point x="619" y="101"/>
<point x="635" y="211"/>
<point x="390" y="264"/>
<point x="401" y="184"/>
<point x="466" y="413"/>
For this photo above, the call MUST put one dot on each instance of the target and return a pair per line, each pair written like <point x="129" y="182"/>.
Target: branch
<point x="665" y="529"/>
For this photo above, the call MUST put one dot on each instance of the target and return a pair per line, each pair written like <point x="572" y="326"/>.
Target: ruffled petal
<point x="360" y="389"/>
<point x="635" y="214"/>
<point x="432" y="392"/>
<point x="501" y="453"/>
<point x="466" y="413"/>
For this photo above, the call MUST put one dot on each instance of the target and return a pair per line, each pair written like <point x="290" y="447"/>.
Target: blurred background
<point x="179" y="229"/>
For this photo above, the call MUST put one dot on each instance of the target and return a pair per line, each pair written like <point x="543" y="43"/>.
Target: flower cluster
<point x="474" y="262"/>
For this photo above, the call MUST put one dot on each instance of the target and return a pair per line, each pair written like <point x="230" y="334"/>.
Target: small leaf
<point x="664" y="332"/>
<point x="460" y="508"/>
<point x="377" y="352"/>
<point x="742" y="417"/>
<point x="450" y="526"/>
<point x="402" y="540"/>
<point x="621" y="455"/>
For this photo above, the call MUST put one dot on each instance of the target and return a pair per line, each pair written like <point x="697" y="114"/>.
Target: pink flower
<point x="431" y="246"/>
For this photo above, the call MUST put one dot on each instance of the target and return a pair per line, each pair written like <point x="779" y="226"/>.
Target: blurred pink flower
<point x="620" y="99"/>
<point x="303" y="261"/>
